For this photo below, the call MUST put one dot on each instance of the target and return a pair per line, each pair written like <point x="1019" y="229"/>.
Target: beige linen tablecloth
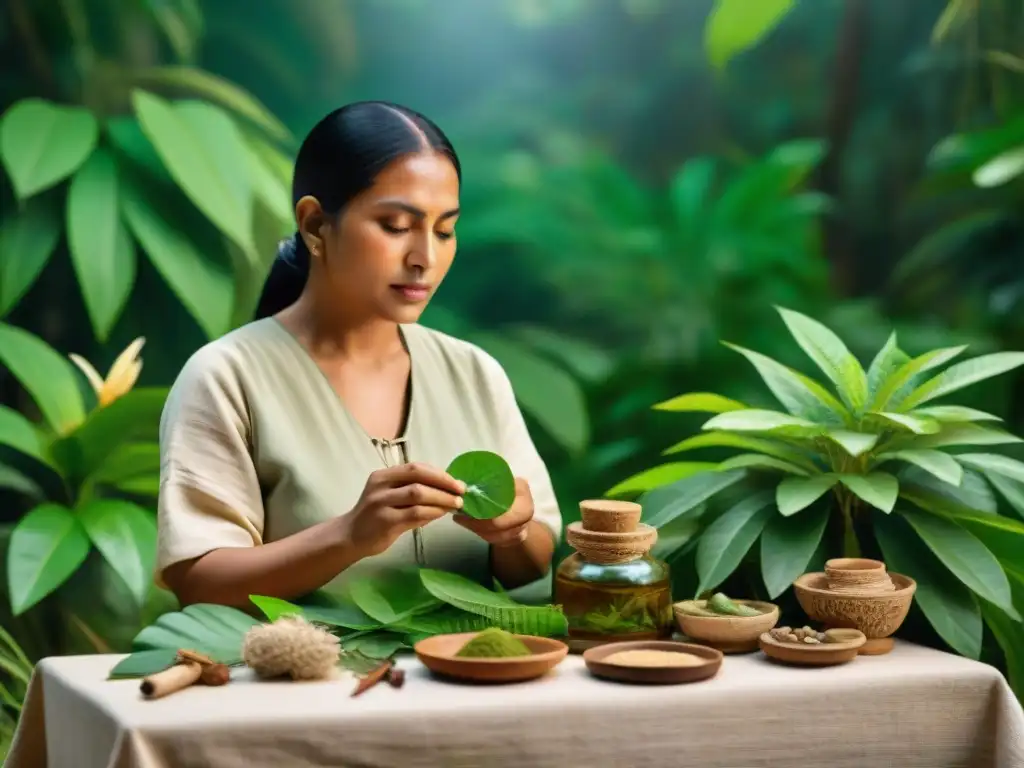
<point x="915" y="707"/>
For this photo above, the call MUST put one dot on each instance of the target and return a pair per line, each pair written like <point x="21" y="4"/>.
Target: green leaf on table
<point x="42" y="143"/>
<point x="767" y="446"/>
<point x="796" y="493"/>
<point x="144" y="663"/>
<point x="661" y="475"/>
<point x="47" y="545"/>
<point x="962" y="375"/>
<point x="879" y="489"/>
<point x="212" y="629"/>
<point x="950" y="607"/>
<point x="19" y="433"/>
<point x="469" y="596"/>
<point x="760" y="461"/>
<point x="107" y="430"/>
<point x="936" y="463"/>
<point x="888" y="360"/>
<point x="275" y="608"/>
<point x="897" y="382"/>
<point x="757" y="420"/>
<point x="443" y="621"/>
<point x="191" y="140"/>
<point x="733" y="26"/>
<point x="490" y="484"/>
<point x="49" y="378"/>
<point x="391" y="596"/>
<point x="905" y="421"/>
<point x="28" y="239"/>
<point x="952" y="413"/>
<point x="125" y="534"/>
<point x="799" y="395"/>
<point x="787" y="546"/>
<point x="700" y="402"/>
<point x="102" y="252"/>
<point x="203" y="285"/>
<point x="831" y="355"/>
<point x="340" y="614"/>
<point x="726" y="541"/>
<point x="964" y="555"/>
<point x="376" y="645"/>
<point x="854" y="443"/>
<point x="668" y="503"/>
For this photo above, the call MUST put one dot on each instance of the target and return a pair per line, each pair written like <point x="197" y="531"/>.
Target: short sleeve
<point x="209" y="493"/>
<point x="519" y="450"/>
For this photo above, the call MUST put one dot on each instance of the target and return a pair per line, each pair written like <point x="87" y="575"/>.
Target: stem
<point x="851" y="547"/>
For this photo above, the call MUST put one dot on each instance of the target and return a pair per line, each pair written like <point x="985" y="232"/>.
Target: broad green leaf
<point x="787" y="546"/>
<point x="376" y="645"/>
<point x="195" y="161"/>
<point x="101" y="250"/>
<point x="879" y="489"/>
<point x="658" y="476"/>
<point x="42" y="143"/>
<point x="389" y="597"/>
<point x="14" y="480"/>
<point x="144" y="663"/>
<point x="129" y="462"/>
<point x="726" y="541"/>
<point x="691" y="193"/>
<point x="107" y="429"/>
<point x="700" y="402"/>
<point x="209" y="87"/>
<point x="469" y="596"/>
<point x="1005" y="474"/>
<point x="766" y="446"/>
<point x="937" y="463"/>
<point x="831" y="355"/>
<point x="445" y="620"/>
<point x="957" y="434"/>
<point x="962" y="375"/>
<point x="888" y="360"/>
<point x="799" y="395"/>
<point x="47" y="376"/>
<point x="1011" y="490"/>
<point x="127" y="139"/>
<point x="887" y="393"/>
<point x="1001" y="169"/>
<point x="965" y="555"/>
<point x="202" y="285"/>
<point x="19" y="433"/>
<point x="760" y="461"/>
<point x="1009" y="633"/>
<point x="796" y="493"/>
<point x="733" y="26"/>
<point x="854" y="443"/>
<point x="952" y="413"/>
<point x="275" y="608"/>
<point x="915" y="424"/>
<point x="268" y="187"/>
<point x="755" y="420"/>
<point x="490" y="484"/>
<point x="950" y="607"/>
<point x="670" y="502"/>
<point x="212" y="629"/>
<point x="344" y="614"/>
<point x="545" y="391"/>
<point x="125" y="534"/>
<point x="27" y="241"/>
<point x="46" y="547"/>
<point x="585" y="360"/>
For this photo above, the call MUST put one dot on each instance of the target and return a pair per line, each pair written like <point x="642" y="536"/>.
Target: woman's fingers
<point x="419" y="494"/>
<point x="414" y="517"/>
<point x="417" y="473"/>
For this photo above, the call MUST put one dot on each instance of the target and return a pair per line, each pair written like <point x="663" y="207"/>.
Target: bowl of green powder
<point x="490" y="656"/>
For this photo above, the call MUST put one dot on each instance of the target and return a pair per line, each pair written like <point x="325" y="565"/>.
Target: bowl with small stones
<point x="808" y="647"/>
<point x="877" y="614"/>
<point x="728" y="634"/>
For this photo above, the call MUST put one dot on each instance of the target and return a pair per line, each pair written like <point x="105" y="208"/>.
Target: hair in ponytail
<point x="340" y="158"/>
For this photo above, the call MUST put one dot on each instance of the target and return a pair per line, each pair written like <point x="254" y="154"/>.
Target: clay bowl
<point x="823" y="655"/>
<point x="438" y="655"/>
<point x="877" y="615"/>
<point x="848" y="574"/>
<point x="595" y="661"/>
<point x="729" y="634"/>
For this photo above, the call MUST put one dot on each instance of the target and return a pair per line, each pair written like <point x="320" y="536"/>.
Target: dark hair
<point x="339" y="158"/>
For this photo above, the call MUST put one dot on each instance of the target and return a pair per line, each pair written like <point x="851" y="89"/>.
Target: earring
<point x="315" y="252"/>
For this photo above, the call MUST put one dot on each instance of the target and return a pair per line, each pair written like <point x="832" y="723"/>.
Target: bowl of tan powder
<point x="653" y="662"/>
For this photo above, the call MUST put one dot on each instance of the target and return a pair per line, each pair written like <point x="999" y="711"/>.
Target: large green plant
<point x="83" y="473"/>
<point x="874" y="452"/>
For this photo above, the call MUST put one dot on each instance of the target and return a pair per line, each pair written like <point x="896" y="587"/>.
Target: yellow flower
<point x="120" y="378"/>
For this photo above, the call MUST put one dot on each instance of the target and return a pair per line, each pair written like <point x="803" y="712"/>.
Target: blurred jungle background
<point x="643" y="179"/>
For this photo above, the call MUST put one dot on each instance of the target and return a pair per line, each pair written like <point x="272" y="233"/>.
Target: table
<point x="915" y="707"/>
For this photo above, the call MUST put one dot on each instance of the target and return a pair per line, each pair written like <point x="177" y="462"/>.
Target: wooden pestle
<point x="188" y="669"/>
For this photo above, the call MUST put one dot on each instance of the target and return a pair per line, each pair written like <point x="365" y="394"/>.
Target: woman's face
<point x="393" y="244"/>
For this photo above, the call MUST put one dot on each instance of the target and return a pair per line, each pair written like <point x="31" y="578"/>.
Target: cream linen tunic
<point x="256" y="445"/>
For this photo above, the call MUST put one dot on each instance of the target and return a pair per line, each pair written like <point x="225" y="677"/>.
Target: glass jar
<point x="611" y="589"/>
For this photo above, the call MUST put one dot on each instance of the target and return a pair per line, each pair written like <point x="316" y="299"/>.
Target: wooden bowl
<point x="876" y="615"/>
<point x="729" y="634"/>
<point x="823" y="655"/>
<point x="595" y="661"/>
<point x="438" y="654"/>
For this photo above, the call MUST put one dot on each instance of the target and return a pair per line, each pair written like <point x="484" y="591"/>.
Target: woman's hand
<point x="509" y="528"/>
<point x="399" y="499"/>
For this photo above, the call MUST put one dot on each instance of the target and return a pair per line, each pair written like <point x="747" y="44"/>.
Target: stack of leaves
<point x="877" y="456"/>
<point x="380" y="617"/>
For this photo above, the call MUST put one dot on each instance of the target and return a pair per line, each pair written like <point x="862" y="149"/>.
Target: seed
<point x="811" y="640"/>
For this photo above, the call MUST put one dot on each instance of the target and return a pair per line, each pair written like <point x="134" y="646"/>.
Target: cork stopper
<point x="610" y="532"/>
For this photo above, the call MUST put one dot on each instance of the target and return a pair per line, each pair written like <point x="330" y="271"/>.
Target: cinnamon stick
<point x="373" y="677"/>
<point x="172" y="679"/>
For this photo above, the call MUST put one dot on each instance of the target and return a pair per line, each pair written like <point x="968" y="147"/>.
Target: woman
<point x="306" y="448"/>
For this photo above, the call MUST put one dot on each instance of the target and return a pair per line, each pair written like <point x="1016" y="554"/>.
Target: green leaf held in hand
<point x="490" y="484"/>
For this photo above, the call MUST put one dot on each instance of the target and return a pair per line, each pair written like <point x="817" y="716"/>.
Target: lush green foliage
<point x="380" y="617"/>
<point x="874" y="451"/>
